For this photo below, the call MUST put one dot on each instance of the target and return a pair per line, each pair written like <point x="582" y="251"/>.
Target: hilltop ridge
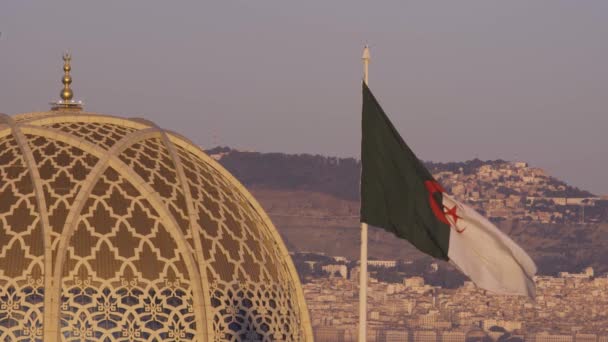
<point x="497" y="188"/>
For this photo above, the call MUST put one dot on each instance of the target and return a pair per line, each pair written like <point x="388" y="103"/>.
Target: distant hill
<point x="331" y="175"/>
<point x="313" y="201"/>
<point x="335" y="176"/>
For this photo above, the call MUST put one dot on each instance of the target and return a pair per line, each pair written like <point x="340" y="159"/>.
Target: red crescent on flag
<point x="432" y="187"/>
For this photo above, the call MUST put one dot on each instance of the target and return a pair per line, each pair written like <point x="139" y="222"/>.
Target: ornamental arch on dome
<point x="114" y="229"/>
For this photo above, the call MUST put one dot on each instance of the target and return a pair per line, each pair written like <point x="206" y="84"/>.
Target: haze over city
<point x="515" y="80"/>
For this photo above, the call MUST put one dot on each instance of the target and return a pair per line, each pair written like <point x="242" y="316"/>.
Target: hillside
<point x="313" y="201"/>
<point x="340" y="176"/>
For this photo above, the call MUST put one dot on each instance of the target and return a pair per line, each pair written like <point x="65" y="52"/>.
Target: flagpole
<point x="363" y="260"/>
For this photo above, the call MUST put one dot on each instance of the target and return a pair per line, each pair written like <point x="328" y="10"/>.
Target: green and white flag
<point x="401" y="196"/>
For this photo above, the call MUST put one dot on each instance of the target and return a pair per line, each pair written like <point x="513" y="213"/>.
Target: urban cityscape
<point x="568" y="307"/>
<point x="223" y="171"/>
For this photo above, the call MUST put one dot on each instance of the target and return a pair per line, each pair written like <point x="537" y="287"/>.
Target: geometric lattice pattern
<point x="115" y="230"/>
<point x="21" y="249"/>
<point x="102" y="134"/>
<point x="121" y="250"/>
<point x="152" y="162"/>
<point x="62" y="168"/>
<point x="251" y="295"/>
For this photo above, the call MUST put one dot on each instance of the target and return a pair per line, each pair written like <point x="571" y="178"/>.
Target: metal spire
<point x="67" y="94"/>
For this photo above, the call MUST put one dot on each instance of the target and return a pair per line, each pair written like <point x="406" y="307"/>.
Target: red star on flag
<point x="453" y="213"/>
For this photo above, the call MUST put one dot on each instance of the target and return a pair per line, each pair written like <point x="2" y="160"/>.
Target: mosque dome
<point x="114" y="229"/>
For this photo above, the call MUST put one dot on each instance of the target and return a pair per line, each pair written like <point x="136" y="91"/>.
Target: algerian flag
<point x="400" y="195"/>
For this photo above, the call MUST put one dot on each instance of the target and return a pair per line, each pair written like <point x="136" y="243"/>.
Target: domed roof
<point x="116" y="229"/>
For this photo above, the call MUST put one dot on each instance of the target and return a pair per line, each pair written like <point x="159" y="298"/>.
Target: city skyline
<point x="139" y="200"/>
<point x="516" y="81"/>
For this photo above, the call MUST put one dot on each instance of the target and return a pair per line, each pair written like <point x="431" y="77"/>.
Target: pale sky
<point x="517" y="80"/>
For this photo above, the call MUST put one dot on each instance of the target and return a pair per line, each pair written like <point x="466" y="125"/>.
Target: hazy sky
<point x="517" y="80"/>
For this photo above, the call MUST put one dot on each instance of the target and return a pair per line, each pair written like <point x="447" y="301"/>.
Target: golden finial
<point x="67" y="94"/>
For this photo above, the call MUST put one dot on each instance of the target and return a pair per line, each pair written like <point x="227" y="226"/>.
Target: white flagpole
<point x="363" y="261"/>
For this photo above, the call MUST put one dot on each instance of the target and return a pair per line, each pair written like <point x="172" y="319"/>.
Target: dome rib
<point x="109" y="158"/>
<point x="41" y="119"/>
<point x="43" y="211"/>
<point x="207" y="326"/>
